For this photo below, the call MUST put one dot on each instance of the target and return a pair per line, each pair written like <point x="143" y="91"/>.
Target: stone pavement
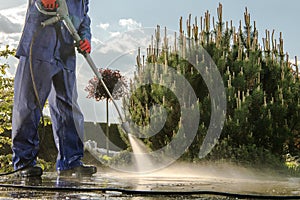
<point x="166" y="184"/>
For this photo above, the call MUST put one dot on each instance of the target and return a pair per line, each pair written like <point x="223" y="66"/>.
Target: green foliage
<point x="6" y="95"/>
<point x="5" y="163"/>
<point x="46" y="166"/>
<point x="262" y="88"/>
<point x="6" y="102"/>
<point x="122" y="159"/>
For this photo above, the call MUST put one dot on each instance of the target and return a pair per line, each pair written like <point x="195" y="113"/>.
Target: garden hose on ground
<point x="149" y="193"/>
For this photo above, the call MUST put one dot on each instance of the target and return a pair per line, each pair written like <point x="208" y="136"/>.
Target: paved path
<point x="168" y="184"/>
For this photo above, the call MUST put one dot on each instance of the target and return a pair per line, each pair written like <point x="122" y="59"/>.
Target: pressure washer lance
<point x="62" y="14"/>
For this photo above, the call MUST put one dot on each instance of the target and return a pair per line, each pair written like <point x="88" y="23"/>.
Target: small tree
<point x="117" y="86"/>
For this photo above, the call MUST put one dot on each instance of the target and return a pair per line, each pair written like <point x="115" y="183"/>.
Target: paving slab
<point x="168" y="184"/>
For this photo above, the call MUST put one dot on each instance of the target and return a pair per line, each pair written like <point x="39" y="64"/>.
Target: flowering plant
<point x="114" y="81"/>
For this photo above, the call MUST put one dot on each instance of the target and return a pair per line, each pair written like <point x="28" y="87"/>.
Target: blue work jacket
<point x="53" y="41"/>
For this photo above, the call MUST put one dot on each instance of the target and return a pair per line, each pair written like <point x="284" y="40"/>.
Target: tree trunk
<point x="107" y="128"/>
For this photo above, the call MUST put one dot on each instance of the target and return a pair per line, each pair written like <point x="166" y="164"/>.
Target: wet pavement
<point x="180" y="183"/>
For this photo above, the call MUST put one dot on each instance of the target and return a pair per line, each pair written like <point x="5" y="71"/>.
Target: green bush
<point x="6" y="101"/>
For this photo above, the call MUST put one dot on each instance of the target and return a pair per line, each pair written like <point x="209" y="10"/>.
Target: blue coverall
<point x="53" y="64"/>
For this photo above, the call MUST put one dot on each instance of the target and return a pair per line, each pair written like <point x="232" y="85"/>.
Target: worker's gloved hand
<point x="49" y="4"/>
<point x="84" y="46"/>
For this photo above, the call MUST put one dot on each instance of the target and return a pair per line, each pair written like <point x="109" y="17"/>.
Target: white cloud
<point x="6" y="26"/>
<point x="109" y="30"/>
<point x="114" y="34"/>
<point x="122" y="42"/>
<point x="11" y="22"/>
<point x="15" y="15"/>
<point x="129" y="24"/>
<point x="11" y="39"/>
<point x="104" y="26"/>
<point x="96" y="41"/>
<point x="119" y="36"/>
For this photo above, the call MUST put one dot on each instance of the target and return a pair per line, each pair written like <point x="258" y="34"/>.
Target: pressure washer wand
<point x="62" y="14"/>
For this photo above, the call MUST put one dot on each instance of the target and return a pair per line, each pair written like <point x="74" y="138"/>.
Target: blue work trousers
<point x="57" y="83"/>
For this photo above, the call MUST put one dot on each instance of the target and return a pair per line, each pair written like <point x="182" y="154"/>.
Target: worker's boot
<point x="31" y="171"/>
<point x="82" y="170"/>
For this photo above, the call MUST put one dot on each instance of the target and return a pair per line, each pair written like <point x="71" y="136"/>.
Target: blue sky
<point x="112" y="19"/>
<point x="269" y="14"/>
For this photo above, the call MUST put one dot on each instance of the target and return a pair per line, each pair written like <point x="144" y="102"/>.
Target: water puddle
<point x="179" y="181"/>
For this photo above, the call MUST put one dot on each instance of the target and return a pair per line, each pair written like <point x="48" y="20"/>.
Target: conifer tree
<point x="262" y="88"/>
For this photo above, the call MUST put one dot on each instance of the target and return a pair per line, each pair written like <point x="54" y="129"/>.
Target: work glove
<point x="49" y="4"/>
<point x="84" y="46"/>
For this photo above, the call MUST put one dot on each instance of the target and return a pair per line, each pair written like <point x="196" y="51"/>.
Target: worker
<point x="49" y="53"/>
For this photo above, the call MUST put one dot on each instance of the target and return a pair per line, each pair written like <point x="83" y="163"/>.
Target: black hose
<point x="150" y="192"/>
